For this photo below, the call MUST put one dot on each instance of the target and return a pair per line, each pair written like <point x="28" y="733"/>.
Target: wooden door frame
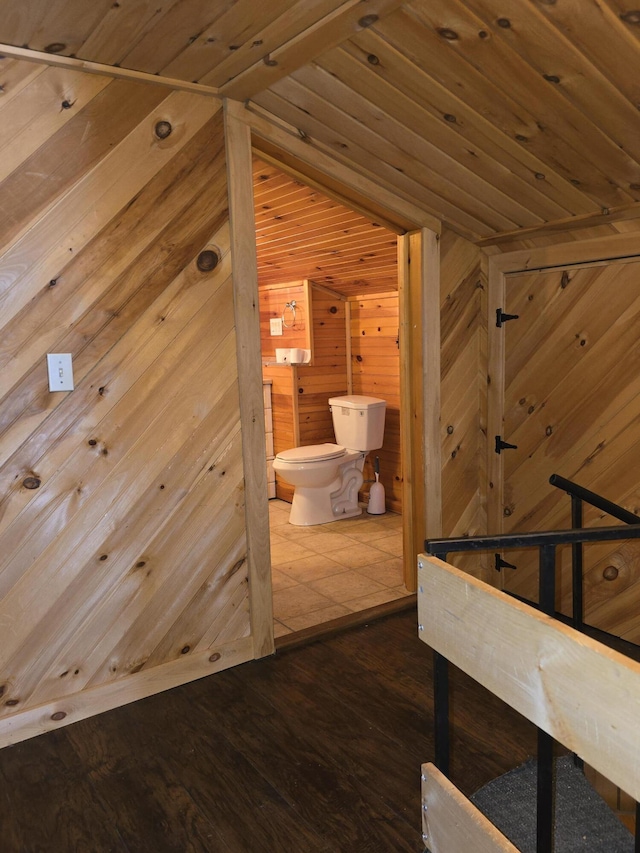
<point x="420" y="316"/>
<point x="614" y="248"/>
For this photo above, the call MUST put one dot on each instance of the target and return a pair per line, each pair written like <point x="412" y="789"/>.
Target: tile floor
<point x="329" y="570"/>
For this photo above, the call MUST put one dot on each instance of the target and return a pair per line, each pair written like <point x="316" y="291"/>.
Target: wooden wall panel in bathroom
<point x="122" y="531"/>
<point x="284" y="413"/>
<point x="300" y="393"/>
<point x="297" y="329"/>
<point x="375" y="365"/>
<point x="463" y="393"/>
<point x="327" y="376"/>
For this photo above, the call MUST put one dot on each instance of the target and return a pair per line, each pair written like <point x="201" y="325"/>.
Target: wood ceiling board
<point x="272" y="135"/>
<point x="354" y="242"/>
<point x="576" y="140"/>
<point x="549" y="52"/>
<point x="597" y="31"/>
<point x="126" y="25"/>
<point x="345" y="149"/>
<point x="40" y="23"/>
<point x="321" y="119"/>
<point x="302" y="49"/>
<point x="333" y="189"/>
<point x="240" y="23"/>
<point x="429" y="94"/>
<point x="292" y="23"/>
<point x="492" y="94"/>
<point x="313" y="222"/>
<point x="310" y="236"/>
<point x="472" y="149"/>
<point x="402" y="135"/>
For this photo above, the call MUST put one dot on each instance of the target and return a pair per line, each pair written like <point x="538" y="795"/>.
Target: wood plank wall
<point x="295" y="333"/>
<point x="327" y="375"/>
<point x="463" y="414"/>
<point x="375" y="367"/>
<point x="570" y="407"/>
<point x="122" y="531"/>
<point x="300" y="393"/>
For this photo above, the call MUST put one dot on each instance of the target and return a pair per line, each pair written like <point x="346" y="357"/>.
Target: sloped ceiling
<point x="493" y="115"/>
<point x="302" y="233"/>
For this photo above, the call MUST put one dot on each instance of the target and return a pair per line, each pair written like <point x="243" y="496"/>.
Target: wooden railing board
<point x="584" y="694"/>
<point x="451" y="823"/>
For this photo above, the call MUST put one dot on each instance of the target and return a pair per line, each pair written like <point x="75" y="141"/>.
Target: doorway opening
<point x="348" y="263"/>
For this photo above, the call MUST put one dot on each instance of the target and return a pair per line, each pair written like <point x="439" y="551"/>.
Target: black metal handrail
<point x="547" y="542"/>
<point x="587" y="496"/>
<point x="579" y="496"/>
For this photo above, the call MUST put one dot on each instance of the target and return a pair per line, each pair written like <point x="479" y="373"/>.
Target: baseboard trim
<point x="343" y="623"/>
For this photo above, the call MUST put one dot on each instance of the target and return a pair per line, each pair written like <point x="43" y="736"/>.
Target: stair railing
<point x="546" y="543"/>
<point x="579" y="496"/>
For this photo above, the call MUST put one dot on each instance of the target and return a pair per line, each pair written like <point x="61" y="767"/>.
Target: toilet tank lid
<point x="357" y="401"/>
<point x="311" y="453"/>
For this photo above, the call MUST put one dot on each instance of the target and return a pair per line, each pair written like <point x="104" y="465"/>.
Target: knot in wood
<point x="367" y="21"/>
<point x="372" y="59"/>
<point x="446" y="33"/>
<point x="163" y="129"/>
<point x="214" y="657"/>
<point x="55" y="47"/>
<point x="208" y="260"/>
<point x="505" y="23"/>
<point x="631" y="17"/>
<point x="31" y="482"/>
<point x="59" y="715"/>
<point x="610" y="573"/>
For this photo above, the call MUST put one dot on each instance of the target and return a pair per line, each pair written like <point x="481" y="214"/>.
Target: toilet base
<point x="307" y="510"/>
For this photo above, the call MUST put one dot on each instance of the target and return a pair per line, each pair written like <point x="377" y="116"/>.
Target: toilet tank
<point x="358" y="421"/>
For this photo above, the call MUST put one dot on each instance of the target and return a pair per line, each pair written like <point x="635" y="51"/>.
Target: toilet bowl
<point x="327" y="477"/>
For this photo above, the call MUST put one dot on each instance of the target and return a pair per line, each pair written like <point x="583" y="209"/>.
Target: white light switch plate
<point x="275" y="325"/>
<point x="60" y="371"/>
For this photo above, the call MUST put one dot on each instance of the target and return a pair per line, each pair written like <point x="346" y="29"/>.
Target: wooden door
<point x="572" y="407"/>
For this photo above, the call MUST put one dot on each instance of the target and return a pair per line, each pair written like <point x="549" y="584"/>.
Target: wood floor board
<point x="283" y="750"/>
<point x="316" y="749"/>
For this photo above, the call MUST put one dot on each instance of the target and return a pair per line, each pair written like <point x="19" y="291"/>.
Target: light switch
<point x="275" y="324"/>
<point x="60" y="371"/>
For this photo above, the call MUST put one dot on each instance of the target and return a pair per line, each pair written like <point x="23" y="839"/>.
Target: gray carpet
<point x="583" y="821"/>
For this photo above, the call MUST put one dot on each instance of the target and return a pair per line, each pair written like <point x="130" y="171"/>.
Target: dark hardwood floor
<point x="315" y="749"/>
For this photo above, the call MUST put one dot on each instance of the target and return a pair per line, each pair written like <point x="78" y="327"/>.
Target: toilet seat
<point x="312" y="453"/>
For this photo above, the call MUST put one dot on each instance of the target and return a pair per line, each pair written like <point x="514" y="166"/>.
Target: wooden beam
<point x="611" y="248"/>
<point x="43" y="58"/>
<point x="349" y="19"/>
<point x="247" y="314"/>
<point x="451" y="823"/>
<point x="431" y="382"/>
<point x="584" y="694"/>
<point x="606" y="216"/>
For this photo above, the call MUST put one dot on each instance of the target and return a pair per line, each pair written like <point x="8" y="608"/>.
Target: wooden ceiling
<point x="302" y="233"/>
<point x="493" y="115"/>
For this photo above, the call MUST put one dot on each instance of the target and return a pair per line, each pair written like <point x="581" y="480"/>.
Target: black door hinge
<point x="502" y="564"/>
<point x="504" y="445"/>
<point x="501" y="317"/>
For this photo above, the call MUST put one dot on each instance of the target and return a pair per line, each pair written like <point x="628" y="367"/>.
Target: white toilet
<point x="327" y="477"/>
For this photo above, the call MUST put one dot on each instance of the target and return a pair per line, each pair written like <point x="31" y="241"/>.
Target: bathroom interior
<point x="329" y="317"/>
